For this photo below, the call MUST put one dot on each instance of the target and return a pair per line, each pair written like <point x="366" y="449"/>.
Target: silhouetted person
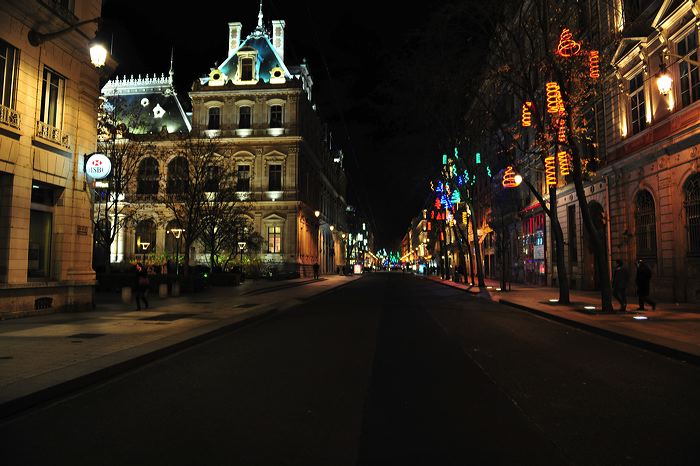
<point x="619" y="284"/>
<point x="316" y="270"/>
<point x="642" y="280"/>
<point x="141" y="285"/>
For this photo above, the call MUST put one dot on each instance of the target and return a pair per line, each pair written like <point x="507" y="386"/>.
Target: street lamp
<point x="241" y="247"/>
<point x="317" y="213"/>
<point x="177" y="232"/>
<point x="98" y="52"/>
<point x="144" y="246"/>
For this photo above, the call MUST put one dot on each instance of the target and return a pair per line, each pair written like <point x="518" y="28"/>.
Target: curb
<point x="31" y="400"/>
<point x="627" y="339"/>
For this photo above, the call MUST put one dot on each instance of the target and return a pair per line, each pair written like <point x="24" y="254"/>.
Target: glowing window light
<point x="509" y="178"/>
<point x="550" y="170"/>
<point x="567" y="45"/>
<point x="526" y="118"/>
<point x="564" y="163"/>
<point x="594" y="64"/>
<point x="554" y="101"/>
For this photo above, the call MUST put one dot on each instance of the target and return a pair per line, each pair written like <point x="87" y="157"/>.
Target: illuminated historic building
<point x="48" y="95"/>
<point x="261" y="112"/>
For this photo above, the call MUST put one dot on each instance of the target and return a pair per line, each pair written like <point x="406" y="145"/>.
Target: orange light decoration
<point x="527" y="114"/>
<point x="550" y="170"/>
<point x="561" y="137"/>
<point x="509" y="178"/>
<point x="593" y="64"/>
<point x="554" y="101"/>
<point x="567" y="47"/>
<point x="564" y="163"/>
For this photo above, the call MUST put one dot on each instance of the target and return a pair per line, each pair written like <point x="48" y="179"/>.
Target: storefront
<point x="534" y="251"/>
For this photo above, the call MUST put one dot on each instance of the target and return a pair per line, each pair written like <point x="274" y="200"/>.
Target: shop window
<point x="39" y="253"/>
<point x="571" y="224"/>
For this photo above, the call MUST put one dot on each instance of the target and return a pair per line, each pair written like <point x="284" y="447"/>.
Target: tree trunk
<point x="477" y="251"/>
<point x="599" y="247"/>
<point x="468" y="255"/>
<point x="503" y="253"/>
<point x="562" y="275"/>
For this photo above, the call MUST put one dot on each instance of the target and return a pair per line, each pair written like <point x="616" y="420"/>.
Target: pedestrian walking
<point x="642" y="280"/>
<point x="141" y="283"/>
<point x="316" y="270"/>
<point x="619" y="284"/>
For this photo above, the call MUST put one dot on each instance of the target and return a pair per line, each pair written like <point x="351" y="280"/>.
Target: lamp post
<point x="144" y="247"/>
<point x="177" y="232"/>
<point x="241" y="247"/>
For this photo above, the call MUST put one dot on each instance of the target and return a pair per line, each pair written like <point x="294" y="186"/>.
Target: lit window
<point x="9" y="64"/>
<point x="274" y="239"/>
<point x="637" y="103"/>
<point x="690" y="82"/>
<point x="52" y="92"/>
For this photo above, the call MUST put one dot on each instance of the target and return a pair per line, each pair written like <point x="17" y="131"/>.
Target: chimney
<point x="234" y="37"/>
<point x="278" y="36"/>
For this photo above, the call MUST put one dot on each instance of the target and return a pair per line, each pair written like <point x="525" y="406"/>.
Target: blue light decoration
<point x="478" y="157"/>
<point x="439" y="188"/>
<point x="460" y="180"/>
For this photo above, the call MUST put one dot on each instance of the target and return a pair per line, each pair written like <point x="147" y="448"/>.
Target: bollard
<point x="126" y="294"/>
<point x="163" y="290"/>
<point x="176" y="289"/>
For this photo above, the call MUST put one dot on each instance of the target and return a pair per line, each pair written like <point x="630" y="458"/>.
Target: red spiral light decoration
<point x="509" y="178"/>
<point x="554" y="102"/>
<point x="527" y="114"/>
<point x="550" y="170"/>
<point x="594" y="64"/>
<point x="567" y="47"/>
<point x="564" y="163"/>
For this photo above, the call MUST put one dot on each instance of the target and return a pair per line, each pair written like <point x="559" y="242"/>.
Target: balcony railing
<point x="9" y="117"/>
<point x="52" y="134"/>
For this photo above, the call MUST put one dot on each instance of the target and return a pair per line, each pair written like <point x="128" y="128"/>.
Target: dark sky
<point x="351" y="48"/>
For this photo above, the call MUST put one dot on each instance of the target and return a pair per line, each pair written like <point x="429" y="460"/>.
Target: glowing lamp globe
<point x="98" y="54"/>
<point x="518" y="179"/>
<point x="664" y="82"/>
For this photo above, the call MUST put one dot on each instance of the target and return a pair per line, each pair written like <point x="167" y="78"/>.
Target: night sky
<point x="354" y="51"/>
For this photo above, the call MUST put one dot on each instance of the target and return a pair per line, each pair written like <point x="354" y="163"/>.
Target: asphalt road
<point x="388" y="370"/>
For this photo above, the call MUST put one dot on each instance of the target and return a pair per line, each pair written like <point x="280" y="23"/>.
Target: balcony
<point x="9" y="117"/>
<point x="52" y="134"/>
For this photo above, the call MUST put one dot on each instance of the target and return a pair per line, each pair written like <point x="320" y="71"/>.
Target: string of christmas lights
<point x="526" y="118"/>
<point x="594" y="64"/>
<point x="567" y="47"/>
<point x="564" y="163"/>
<point x="550" y="170"/>
<point x="509" y="178"/>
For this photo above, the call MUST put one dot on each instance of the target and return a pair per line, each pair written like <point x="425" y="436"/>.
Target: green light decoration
<point x="444" y="159"/>
<point x="478" y="157"/>
<point x="456" y="197"/>
<point x="456" y="154"/>
<point x="488" y="171"/>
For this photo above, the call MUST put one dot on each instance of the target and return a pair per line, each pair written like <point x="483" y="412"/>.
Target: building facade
<point x="261" y="112"/>
<point x="48" y="95"/>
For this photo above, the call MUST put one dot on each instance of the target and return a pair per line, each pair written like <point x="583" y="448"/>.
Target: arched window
<point x="148" y="176"/>
<point x="214" y="121"/>
<point x="645" y="224"/>
<point x="178" y="175"/>
<point x="244" y="118"/>
<point x="145" y="234"/>
<point x="691" y="204"/>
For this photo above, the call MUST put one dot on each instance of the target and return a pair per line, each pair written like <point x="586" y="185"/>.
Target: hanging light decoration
<point x="564" y="163"/>
<point x="554" y="101"/>
<point x="509" y="178"/>
<point x="561" y="137"/>
<point x="550" y="170"/>
<point x="527" y="114"/>
<point x="594" y="64"/>
<point x="567" y="47"/>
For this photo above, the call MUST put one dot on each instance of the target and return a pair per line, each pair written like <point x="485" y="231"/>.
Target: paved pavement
<point x="43" y="357"/>
<point x="672" y="329"/>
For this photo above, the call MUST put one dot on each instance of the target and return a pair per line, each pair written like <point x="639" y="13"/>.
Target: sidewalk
<point x="673" y="329"/>
<point x="45" y="356"/>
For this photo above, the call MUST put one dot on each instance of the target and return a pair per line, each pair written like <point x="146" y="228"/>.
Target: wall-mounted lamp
<point x="664" y="80"/>
<point x="98" y="52"/>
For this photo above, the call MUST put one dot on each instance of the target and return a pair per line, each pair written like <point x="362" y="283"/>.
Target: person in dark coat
<point x="316" y="270"/>
<point x="141" y="285"/>
<point x="642" y="280"/>
<point x="619" y="284"/>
